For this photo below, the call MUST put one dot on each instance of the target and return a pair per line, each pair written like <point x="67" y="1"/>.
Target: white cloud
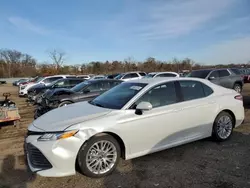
<point x="26" y="24"/>
<point x="231" y="51"/>
<point x="181" y="17"/>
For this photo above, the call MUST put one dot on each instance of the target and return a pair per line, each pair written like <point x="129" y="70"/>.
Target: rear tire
<point x="223" y="126"/>
<point x="100" y="152"/>
<point x="237" y="87"/>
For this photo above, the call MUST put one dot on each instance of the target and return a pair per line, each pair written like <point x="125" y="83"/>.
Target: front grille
<point x="36" y="158"/>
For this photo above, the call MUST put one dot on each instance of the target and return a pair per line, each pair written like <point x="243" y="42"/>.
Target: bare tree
<point x="11" y="57"/>
<point x="57" y="57"/>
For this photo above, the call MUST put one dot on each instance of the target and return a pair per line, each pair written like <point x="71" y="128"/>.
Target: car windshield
<point x="149" y="75"/>
<point x="119" y="76"/>
<point x="118" y="96"/>
<point x="54" y="82"/>
<point x="199" y="73"/>
<point x="38" y="79"/>
<point x="80" y="86"/>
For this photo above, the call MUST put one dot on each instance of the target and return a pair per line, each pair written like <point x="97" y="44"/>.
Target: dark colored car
<point x="82" y="92"/>
<point x="226" y="77"/>
<point x="37" y="90"/>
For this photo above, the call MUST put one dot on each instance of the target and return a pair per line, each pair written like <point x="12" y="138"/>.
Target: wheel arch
<point x="121" y="143"/>
<point x="238" y="82"/>
<point x="118" y="139"/>
<point x="66" y="100"/>
<point x="231" y="113"/>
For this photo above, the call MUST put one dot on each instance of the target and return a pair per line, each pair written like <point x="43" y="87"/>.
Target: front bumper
<point x="22" y="93"/>
<point x="52" y="158"/>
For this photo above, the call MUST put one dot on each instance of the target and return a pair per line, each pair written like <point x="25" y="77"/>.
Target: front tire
<point x="237" y="87"/>
<point x="223" y="126"/>
<point x="99" y="156"/>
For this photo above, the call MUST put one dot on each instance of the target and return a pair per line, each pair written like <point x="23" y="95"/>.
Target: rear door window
<point x="62" y="83"/>
<point x="214" y="74"/>
<point x="74" y="82"/>
<point x="223" y="73"/>
<point x="191" y="90"/>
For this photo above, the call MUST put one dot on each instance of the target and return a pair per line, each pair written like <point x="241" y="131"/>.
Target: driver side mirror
<point x="143" y="106"/>
<point x="86" y="91"/>
<point x="211" y="78"/>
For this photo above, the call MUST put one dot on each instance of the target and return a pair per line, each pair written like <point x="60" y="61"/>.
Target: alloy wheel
<point x="224" y="127"/>
<point x="101" y="157"/>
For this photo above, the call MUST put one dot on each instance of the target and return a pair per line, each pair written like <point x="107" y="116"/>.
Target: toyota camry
<point x="132" y="119"/>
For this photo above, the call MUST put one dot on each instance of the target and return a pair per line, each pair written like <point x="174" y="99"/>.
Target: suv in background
<point x="130" y="76"/>
<point x="225" y="77"/>
<point x="162" y="74"/>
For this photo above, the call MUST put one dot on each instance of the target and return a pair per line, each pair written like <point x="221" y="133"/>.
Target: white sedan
<point x="133" y="119"/>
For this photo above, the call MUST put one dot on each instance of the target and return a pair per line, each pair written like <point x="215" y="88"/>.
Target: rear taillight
<point x="239" y="97"/>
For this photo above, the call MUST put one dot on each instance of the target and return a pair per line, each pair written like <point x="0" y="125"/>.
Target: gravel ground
<point x="199" y="164"/>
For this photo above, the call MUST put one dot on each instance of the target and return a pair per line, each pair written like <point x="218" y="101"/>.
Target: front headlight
<point x="57" y="135"/>
<point x="23" y="87"/>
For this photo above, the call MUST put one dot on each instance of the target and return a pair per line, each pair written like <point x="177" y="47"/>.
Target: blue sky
<point x="208" y="31"/>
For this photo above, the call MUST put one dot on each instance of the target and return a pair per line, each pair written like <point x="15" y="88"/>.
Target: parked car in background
<point x="31" y="80"/>
<point x="23" y="90"/>
<point x="130" y="76"/>
<point x="17" y="82"/>
<point x="133" y="119"/>
<point x="245" y="73"/>
<point x="98" y="77"/>
<point x="84" y="91"/>
<point x="161" y="74"/>
<point x="111" y="76"/>
<point x="227" y="77"/>
<point x="37" y="90"/>
<point x="86" y="77"/>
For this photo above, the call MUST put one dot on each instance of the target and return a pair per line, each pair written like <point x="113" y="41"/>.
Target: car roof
<point x="57" y="76"/>
<point x="212" y="69"/>
<point x="72" y="79"/>
<point x="158" y="80"/>
<point x="132" y="72"/>
<point x="162" y="72"/>
<point x="99" y="80"/>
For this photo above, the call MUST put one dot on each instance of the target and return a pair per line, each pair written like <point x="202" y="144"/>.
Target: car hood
<point x="61" y="118"/>
<point x="40" y="86"/>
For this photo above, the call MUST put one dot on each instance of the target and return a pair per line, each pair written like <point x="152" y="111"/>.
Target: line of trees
<point x="17" y="64"/>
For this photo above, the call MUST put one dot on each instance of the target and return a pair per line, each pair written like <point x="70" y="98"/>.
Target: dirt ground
<point x="200" y="164"/>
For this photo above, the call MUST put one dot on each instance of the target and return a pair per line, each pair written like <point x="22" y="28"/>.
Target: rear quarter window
<point x="207" y="90"/>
